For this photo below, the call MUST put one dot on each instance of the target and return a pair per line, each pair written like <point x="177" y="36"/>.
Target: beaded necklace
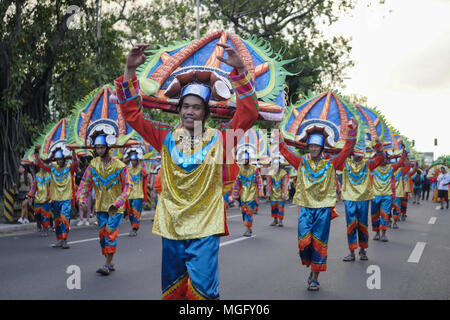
<point x="60" y="176"/>
<point x="354" y="178"/>
<point x="383" y="178"/>
<point x="107" y="182"/>
<point x="312" y="176"/>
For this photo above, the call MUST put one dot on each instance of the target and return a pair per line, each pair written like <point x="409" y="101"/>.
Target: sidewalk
<point x="8" y="229"/>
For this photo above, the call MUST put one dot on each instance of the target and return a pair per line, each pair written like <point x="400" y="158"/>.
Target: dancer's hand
<point x="354" y="123"/>
<point x="112" y="210"/>
<point x="233" y="59"/>
<point x="135" y="58"/>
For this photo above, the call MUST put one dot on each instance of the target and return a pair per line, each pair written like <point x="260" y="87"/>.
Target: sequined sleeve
<point x="259" y="184"/>
<point x="293" y="159"/>
<point x="397" y="165"/>
<point x="350" y="142"/>
<point x="246" y="110"/>
<point x="269" y="186"/>
<point x="236" y="189"/>
<point x="127" y="187"/>
<point x="285" y="186"/>
<point x="413" y="172"/>
<point x="85" y="186"/>
<point x="33" y="189"/>
<point x="406" y="168"/>
<point x="38" y="161"/>
<point x="74" y="165"/>
<point x="130" y="101"/>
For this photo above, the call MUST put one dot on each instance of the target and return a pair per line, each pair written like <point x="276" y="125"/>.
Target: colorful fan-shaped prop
<point x="327" y="113"/>
<point x="168" y="69"/>
<point x="54" y="136"/>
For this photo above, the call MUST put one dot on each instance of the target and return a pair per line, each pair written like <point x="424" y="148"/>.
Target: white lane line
<point x="234" y="216"/>
<point x="417" y="252"/>
<point x="432" y="220"/>
<point x="91" y="239"/>
<point x="235" y="240"/>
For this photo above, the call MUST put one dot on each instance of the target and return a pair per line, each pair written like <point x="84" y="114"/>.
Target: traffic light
<point x="435" y="142"/>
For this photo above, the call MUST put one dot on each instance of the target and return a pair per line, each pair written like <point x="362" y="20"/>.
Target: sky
<point x="402" y="65"/>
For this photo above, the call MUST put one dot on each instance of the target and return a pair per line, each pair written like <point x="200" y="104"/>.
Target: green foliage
<point x="47" y="67"/>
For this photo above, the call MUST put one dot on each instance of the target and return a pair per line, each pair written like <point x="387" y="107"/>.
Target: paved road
<point x="263" y="267"/>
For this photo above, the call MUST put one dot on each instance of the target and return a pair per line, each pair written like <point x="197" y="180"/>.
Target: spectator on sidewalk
<point x="25" y="182"/>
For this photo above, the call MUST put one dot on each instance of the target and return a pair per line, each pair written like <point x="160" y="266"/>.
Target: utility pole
<point x="198" y="19"/>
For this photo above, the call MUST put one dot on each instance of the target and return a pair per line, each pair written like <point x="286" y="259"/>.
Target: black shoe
<point x="104" y="270"/>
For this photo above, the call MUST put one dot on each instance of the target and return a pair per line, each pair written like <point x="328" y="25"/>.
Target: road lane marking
<point x="235" y="240"/>
<point x="234" y="216"/>
<point x="91" y="239"/>
<point x="432" y="220"/>
<point x="417" y="252"/>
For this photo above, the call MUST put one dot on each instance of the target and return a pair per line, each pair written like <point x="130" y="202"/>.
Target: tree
<point x="294" y="28"/>
<point x="45" y="67"/>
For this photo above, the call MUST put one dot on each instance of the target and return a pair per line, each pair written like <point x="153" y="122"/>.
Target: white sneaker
<point x="26" y="221"/>
<point x="80" y="223"/>
<point x="20" y="220"/>
<point x="86" y="222"/>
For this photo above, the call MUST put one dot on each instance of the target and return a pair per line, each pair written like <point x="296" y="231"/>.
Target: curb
<point x="7" y="229"/>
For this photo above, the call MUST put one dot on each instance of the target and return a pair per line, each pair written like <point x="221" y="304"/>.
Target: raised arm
<point x="246" y="110"/>
<point x="293" y="159"/>
<point x="413" y="172"/>
<point x="145" y="178"/>
<point x="75" y="163"/>
<point x="38" y="162"/>
<point x="246" y="101"/>
<point x="285" y="187"/>
<point x="378" y="159"/>
<point x="128" y="94"/>
<point x="397" y="165"/>
<point x="130" y="103"/>
<point x="350" y="142"/>
<point x="406" y="168"/>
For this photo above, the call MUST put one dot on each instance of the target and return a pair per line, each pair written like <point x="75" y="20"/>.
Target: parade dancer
<point x="248" y="188"/>
<point x="277" y="191"/>
<point x="382" y="203"/>
<point x="407" y="180"/>
<point x="138" y="195"/>
<point x="112" y="184"/>
<point x="356" y="193"/>
<point x="62" y="188"/>
<point x="40" y="193"/>
<point x="316" y="193"/>
<point x="399" y="192"/>
<point x="195" y="174"/>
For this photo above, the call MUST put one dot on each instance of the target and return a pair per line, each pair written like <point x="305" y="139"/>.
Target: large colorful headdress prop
<point x="325" y="114"/>
<point x="59" y="150"/>
<point x="102" y="132"/>
<point x="96" y="115"/>
<point x="254" y="141"/>
<point x="377" y="127"/>
<point x="169" y="69"/>
<point x="53" y="139"/>
<point x="134" y="153"/>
